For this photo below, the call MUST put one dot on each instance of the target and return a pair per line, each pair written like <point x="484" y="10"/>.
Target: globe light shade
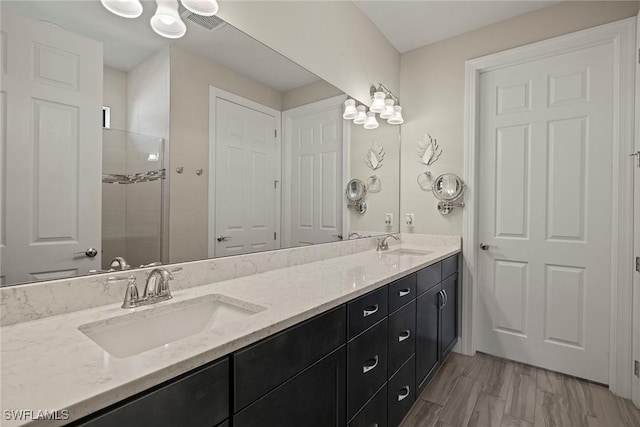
<point x="350" y="111"/>
<point x="371" y="122"/>
<point x="388" y="109"/>
<point x="377" y="104"/>
<point x="166" y="21"/>
<point x="201" y="7"/>
<point x="123" y="8"/>
<point x="362" y="115"/>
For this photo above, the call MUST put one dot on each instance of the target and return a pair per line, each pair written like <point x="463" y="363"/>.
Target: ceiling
<point x="412" y="24"/>
<point x="128" y="42"/>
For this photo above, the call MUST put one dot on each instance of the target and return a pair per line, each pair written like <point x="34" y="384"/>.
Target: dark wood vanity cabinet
<point x="437" y="317"/>
<point x="358" y="365"/>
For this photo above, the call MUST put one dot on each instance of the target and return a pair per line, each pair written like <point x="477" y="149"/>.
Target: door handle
<point x="368" y="311"/>
<point x="338" y="236"/>
<point x="637" y="156"/>
<point x="367" y="367"/>
<point x="222" y="238"/>
<point x="484" y="246"/>
<point x="90" y="252"/>
<point x="404" y="393"/>
<point x="404" y="292"/>
<point x="404" y="335"/>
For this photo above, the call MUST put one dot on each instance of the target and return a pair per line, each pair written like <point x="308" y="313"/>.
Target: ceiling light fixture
<point x="201" y="7"/>
<point x="123" y="8"/>
<point x="350" y="111"/>
<point x="166" y="21"/>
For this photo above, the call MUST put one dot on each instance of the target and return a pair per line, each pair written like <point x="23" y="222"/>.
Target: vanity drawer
<point x="367" y="310"/>
<point x="402" y="337"/>
<point x="428" y="277"/>
<point x="199" y="399"/>
<point x="374" y="414"/>
<point x="449" y="266"/>
<point x="401" y="292"/>
<point x="401" y="393"/>
<point x="366" y="366"/>
<point x="263" y="366"/>
<point x="313" y="398"/>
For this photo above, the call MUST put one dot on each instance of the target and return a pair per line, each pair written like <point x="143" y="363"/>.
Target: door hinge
<point x="275" y="183"/>
<point x="636" y="368"/>
<point x="638" y="264"/>
<point x="275" y="133"/>
<point x="274" y="235"/>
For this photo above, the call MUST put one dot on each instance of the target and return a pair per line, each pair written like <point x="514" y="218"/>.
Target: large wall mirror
<point x="118" y="144"/>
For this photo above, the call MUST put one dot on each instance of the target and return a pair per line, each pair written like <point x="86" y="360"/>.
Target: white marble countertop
<point x="48" y="364"/>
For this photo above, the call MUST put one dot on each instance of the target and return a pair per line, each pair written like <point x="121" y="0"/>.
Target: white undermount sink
<point x="143" y="330"/>
<point x="408" y="252"/>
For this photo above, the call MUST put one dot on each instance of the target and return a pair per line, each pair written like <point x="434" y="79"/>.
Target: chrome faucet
<point x="156" y="288"/>
<point x="119" y="263"/>
<point x="383" y="245"/>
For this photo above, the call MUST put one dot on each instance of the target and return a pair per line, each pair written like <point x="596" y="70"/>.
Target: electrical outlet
<point x="388" y="219"/>
<point x="409" y="220"/>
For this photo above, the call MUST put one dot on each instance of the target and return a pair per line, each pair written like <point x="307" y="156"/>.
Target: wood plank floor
<point x="485" y="391"/>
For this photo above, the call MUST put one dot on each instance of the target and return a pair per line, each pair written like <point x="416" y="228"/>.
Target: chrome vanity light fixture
<point x="383" y="102"/>
<point x="166" y="21"/>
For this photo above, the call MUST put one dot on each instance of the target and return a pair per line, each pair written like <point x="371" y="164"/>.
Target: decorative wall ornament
<point x="374" y="157"/>
<point x="428" y="150"/>
<point x="374" y="185"/>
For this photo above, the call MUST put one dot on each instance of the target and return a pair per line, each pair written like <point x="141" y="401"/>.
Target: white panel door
<point x="246" y="202"/>
<point x="314" y="143"/>
<point x="51" y="151"/>
<point x="545" y="214"/>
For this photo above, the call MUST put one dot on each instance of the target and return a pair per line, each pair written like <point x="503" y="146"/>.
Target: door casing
<point x="622" y="34"/>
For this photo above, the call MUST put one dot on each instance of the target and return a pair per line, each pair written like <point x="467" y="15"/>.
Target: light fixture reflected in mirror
<point x="377" y="102"/>
<point x="388" y="109"/>
<point x="350" y="111"/>
<point x="371" y="122"/>
<point x="166" y="21"/>
<point x="123" y="8"/>
<point x="361" y="118"/>
<point x="201" y="7"/>
<point x="397" y="118"/>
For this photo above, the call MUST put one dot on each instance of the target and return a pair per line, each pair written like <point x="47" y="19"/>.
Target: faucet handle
<point x="131" y="296"/>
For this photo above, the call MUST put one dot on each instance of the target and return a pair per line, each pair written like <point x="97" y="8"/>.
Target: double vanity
<point x="345" y="340"/>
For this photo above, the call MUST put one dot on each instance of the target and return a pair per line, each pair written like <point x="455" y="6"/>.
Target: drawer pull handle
<point x="404" y="335"/>
<point x="368" y="311"/>
<point x="404" y="292"/>
<point x="368" y="367"/>
<point x="404" y="393"/>
<point x="374" y="425"/>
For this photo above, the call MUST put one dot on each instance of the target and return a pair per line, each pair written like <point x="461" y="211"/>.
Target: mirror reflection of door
<point x="52" y="102"/>
<point x="246" y="176"/>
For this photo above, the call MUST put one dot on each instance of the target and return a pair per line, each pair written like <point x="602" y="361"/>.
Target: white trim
<point x="215" y="93"/>
<point x="621" y="34"/>
<point x="635" y="381"/>
<point x="287" y="117"/>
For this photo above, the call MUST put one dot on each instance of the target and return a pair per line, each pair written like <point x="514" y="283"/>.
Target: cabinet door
<point x="449" y="316"/>
<point x="374" y="413"/>
<point x="313" y="398"/>
<point x="200" y="398"/>
<point x="427" y="335"/>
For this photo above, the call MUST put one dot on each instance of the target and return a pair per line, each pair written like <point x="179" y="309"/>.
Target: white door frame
<point x="215" y="93"/>
<point x="622" y="34"/>
<point x="635" y="392"/>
